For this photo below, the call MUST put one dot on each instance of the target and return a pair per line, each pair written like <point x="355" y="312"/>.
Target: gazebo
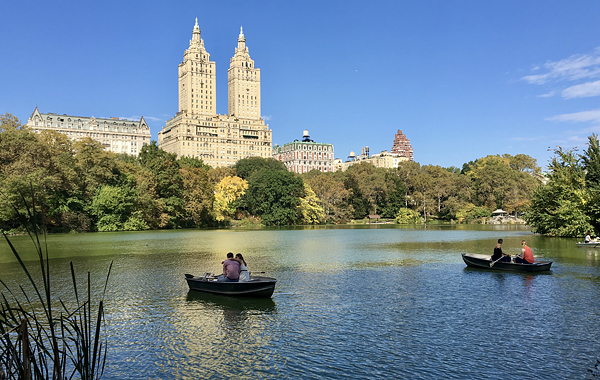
<point x="374" y="217"/>
<point x="499" y="212"/>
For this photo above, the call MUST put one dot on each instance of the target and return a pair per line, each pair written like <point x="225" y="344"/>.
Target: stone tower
<point x="243" y="83"/>
<point x="197" y="79"/>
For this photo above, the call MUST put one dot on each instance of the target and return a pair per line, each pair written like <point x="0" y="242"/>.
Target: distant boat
<point x="484" y="261"/>
<point x="258" y="286"/>
<point x="592" y="244"/>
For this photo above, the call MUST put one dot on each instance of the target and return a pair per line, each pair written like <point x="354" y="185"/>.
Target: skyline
<point x="460" y="82"/>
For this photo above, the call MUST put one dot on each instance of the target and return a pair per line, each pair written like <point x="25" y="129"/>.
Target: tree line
<point x="569" y="203"/>
<point x="82" y="187"/>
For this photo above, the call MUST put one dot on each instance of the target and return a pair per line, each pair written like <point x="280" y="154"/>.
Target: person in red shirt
<point x="526" y="256"/>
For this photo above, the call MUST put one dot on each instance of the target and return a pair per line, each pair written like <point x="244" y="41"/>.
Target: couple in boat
<point x="235" y="269"/>
<point x="526" y="256"/>
<point x="588" y="238"/>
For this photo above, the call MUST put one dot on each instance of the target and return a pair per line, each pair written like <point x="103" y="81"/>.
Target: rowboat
<point x="592" y="244"/>
<point x="258" y="286"/>
<point x="484" y="261"/>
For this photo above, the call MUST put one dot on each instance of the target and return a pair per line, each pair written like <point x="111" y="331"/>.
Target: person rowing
<point x="498" y="254"/>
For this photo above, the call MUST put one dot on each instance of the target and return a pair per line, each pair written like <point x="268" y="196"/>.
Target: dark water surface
<point x="379" y="303"/>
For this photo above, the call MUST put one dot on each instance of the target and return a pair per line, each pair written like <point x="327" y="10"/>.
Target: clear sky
<point x="462" y="79"/>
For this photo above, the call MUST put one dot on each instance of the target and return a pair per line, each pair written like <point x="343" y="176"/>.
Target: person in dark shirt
<point x="231" y="269"/>
<point x="498" y="254"/>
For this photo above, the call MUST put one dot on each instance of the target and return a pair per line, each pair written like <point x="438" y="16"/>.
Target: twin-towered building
<point x="197" y="130"/>
<point x="219" y="140"/>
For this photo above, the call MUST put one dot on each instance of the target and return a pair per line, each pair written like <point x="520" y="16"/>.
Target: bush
<point x="407" y="216"/>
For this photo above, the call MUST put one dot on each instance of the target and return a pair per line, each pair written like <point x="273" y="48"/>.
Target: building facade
<point x="306" y="155"/>
<point x="116" y="135"/>
<point x="197" y="130"/>
<point x="402" y="146"/>
<point x="380" y="160"/>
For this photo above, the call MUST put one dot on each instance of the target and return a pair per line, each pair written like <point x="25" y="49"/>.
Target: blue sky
<point x="462" y="79"/>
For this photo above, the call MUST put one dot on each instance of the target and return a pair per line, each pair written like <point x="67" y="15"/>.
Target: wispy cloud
<point x="266" y="117"/>
<point x="577" y="139"/>
<point x="593" y="116"/>
<point x="547" y="95"/>
<point x="575" y="67"/>
<point x="584" y="90"/>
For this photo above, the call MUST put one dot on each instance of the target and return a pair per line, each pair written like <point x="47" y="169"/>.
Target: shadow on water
<point x="263" y="305"/>
<point x="502" y="273"/>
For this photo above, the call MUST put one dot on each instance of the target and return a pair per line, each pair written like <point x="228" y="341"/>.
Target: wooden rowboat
<point x="592" y="244"/>
<point x="258" y="287"/>
<point x="484" y="261"/>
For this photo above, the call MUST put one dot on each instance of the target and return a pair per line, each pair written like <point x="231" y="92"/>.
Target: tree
<point x="331" y="193"/>
<point x="114" y="207"/>
<point x="169" y="183"/>
<point x="25" y="163"/>
<point x="248" y="166"/>
<point x="557" y="209"/>
<point x="395" y="196"/>
<point x="407" y="172"/>
<point x="191" y="162"/>
<point x="198" y="195"/>
<point x="371" y="184"/>
<point x="309" y="208"/>
<point x="504" y="181"/>
<point x="358" y="204"/>
<point x="407" y="216"/>
<point x="227" y="192"/>
<point x="274" y="195"/>
<point x="591" y="164"/>
<point x="442" y="185"/>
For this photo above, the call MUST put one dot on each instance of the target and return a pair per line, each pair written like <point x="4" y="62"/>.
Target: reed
<point x="43" y="336"/>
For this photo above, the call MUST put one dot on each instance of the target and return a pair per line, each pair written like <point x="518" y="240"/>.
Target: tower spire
<point x="196" y="34"/>
<point x="241" y="41"/>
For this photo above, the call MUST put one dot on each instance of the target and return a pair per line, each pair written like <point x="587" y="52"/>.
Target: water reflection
<point x="208" y="300"/>
<point x="363" y="302"/>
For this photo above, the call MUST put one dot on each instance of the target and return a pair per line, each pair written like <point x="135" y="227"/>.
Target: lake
<point x="376" y="302"/>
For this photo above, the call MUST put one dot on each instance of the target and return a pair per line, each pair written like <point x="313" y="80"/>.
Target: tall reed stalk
<point x="41" y="335"/>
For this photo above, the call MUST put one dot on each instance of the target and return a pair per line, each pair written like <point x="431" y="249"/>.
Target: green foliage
<point x="61" y="338"/>
<point x="407" y="216"/>
<point x="246" y="167"/>
<point x="274" y="195"/>
<point x="227" y="192"/>
<point x="192" y="163"/>
<point x="82" y="187"/>
<point x="358" y="203"/>
<point x="310" y="210"/>
<point x="478" y="212"/>
<point x="558" y="208"/>
<point x="332" y="194"/>
<point x="168" y="180"/>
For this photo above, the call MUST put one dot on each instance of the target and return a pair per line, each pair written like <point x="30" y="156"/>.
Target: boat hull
<point x="594" y="244"/>
<point x="257" y="287"/>
<point x="483" y="261"/>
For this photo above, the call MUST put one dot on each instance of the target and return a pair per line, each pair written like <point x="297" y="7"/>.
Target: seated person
<point x="498" y="254"/>
<point x="526" y="256"/>
<point x="231" y="269"/>
<point x="588" y="238"/>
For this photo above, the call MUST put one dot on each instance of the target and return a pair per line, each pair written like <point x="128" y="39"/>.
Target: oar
<point x="494" y="262"/>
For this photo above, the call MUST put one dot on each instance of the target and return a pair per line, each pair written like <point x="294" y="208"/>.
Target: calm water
<point x="383" y="302"/>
